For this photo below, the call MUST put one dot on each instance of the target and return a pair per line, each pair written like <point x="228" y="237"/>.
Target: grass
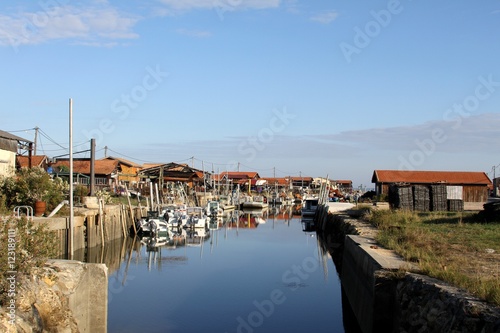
<point x="459" y="248"/>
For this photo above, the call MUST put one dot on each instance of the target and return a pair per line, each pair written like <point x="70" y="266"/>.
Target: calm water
<point x="245" y="276"/>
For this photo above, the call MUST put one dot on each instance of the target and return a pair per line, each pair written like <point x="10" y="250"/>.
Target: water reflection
<point x="226" y="277"/>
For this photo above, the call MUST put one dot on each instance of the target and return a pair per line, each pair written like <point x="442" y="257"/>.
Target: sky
<point x="331" y="89"/>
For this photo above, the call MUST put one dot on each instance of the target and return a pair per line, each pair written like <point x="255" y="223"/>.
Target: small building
<point x="173" y="172"/>
<point x="241" y="178"/>
<point x="469" y="186"/>
<point x="39" y="161"/>
<point x="11" y="146"/>
<point x="105" y="171"/>
<point x="344" y="185"/>
<point x="129" y="171"/>
<point x="302" y="181"/>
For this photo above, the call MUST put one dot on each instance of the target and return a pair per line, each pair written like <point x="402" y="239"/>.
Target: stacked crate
<point x="421" y="198"/>
<point x="455" y="205"/>
<point x="401" y="197"/>
<point x="438" y="198"/>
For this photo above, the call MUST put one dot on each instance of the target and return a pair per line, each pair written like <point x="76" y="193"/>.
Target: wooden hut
<point x="472" y="188"/>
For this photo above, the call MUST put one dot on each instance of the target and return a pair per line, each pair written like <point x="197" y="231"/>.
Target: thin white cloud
<point x="228" y="5"/>
<point x="84" y="25"/>
<point x="325" y="17"/>
<point x="194" y="33"/>
<point x="478" y="133"/>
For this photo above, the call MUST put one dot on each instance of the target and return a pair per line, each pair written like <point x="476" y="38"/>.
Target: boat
<point x="154" y="242"/>
<point x="214" y="209"/>
<point x="309" y="207"/>
<point x="196" y="217"/>
<point x="257" y="201"/>
<point x="151" y="225"/>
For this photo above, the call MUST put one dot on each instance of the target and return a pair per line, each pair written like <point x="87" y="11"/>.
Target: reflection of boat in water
<point x="309" y="207"/>
<point x="247" y="219"/>
<point x="154" y="242"/>
<point x="215" y="222"/>
<point x="308" y="225"/>
<point x="196" y="236"/>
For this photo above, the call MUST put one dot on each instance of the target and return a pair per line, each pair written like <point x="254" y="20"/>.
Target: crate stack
<point x="455" y="205"/>
<point x="421" y="198"/>
<point x="401" y="196"/>
<point x="438" y="198"/>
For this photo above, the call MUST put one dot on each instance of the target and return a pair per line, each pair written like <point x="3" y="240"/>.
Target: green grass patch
<point x="458" y="248"/>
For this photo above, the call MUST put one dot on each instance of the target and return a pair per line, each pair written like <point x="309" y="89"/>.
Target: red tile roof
<point x="429" y="177"/>
<point x="101" y="167"/>
<point x="304" y="178"/>
<point x="36" y="160"/>
<point x="278" y="181"/>
<point x="123" y="161"/>
<point x="238" y="175"/>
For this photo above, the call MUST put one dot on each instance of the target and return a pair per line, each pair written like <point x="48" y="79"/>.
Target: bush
<point x="30" y="185"/>
<point x="25" y="247"/>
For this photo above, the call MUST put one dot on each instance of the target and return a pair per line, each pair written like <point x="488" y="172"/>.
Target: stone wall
<point x="430" y="305"/>
<point x="63" y="296"/>
<point x="398" y="302"/>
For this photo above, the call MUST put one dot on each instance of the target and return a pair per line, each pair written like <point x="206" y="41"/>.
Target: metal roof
<point x="431" y="177"/>
<point x="7" y="135"/>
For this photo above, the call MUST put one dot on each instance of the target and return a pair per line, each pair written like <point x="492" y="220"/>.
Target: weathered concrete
<point x="63" y="296"/>
<point x="385" y="297"/>
<point x="362" y="276"/>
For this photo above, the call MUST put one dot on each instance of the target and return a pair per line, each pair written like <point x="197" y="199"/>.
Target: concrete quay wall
<point x="62" y="296"/>
<point x="387" y="294"/>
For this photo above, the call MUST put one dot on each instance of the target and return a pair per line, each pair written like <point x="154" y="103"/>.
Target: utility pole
<point x="36" y="139"/>
<point x="71" y="213"/>
<point x="92" y="167"/>
<point x="105" y="151"/>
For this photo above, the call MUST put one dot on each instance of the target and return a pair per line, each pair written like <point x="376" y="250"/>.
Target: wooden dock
<point x="91" y="228"/>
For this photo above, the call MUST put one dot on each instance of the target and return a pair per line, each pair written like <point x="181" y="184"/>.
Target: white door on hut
<point x="454" y="192"/>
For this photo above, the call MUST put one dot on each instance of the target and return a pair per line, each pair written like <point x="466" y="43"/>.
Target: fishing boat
<point x="257" y="201"/>
<point x="309" y="207"/>
<point x="152" y="225"/>
<point x="196" y="217"/>
<point x="214" y="209"/>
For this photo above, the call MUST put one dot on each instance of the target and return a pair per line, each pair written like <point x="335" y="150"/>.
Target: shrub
<point x="26" y="247"/>
<point x="30" y="185"/>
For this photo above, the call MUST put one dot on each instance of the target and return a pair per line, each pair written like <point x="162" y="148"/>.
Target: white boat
<point x="309" y="207"/>
<point x="196" y="217"/>
<point x="178" y="219"/>
<point x="214" y="209"/>
<point x="257" y="201"/>
<point x="152" y="225"/>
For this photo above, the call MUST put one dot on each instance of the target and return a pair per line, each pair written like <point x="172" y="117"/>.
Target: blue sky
<point x="315" y="88"/>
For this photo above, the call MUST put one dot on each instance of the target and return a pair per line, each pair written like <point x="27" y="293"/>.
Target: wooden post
<point x="131" y="211"/>
<point x="101" y="221"/>
<point x="122" y="220"/>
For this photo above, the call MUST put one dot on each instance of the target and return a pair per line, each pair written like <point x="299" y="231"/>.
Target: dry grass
<point x="459" y="248"/>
